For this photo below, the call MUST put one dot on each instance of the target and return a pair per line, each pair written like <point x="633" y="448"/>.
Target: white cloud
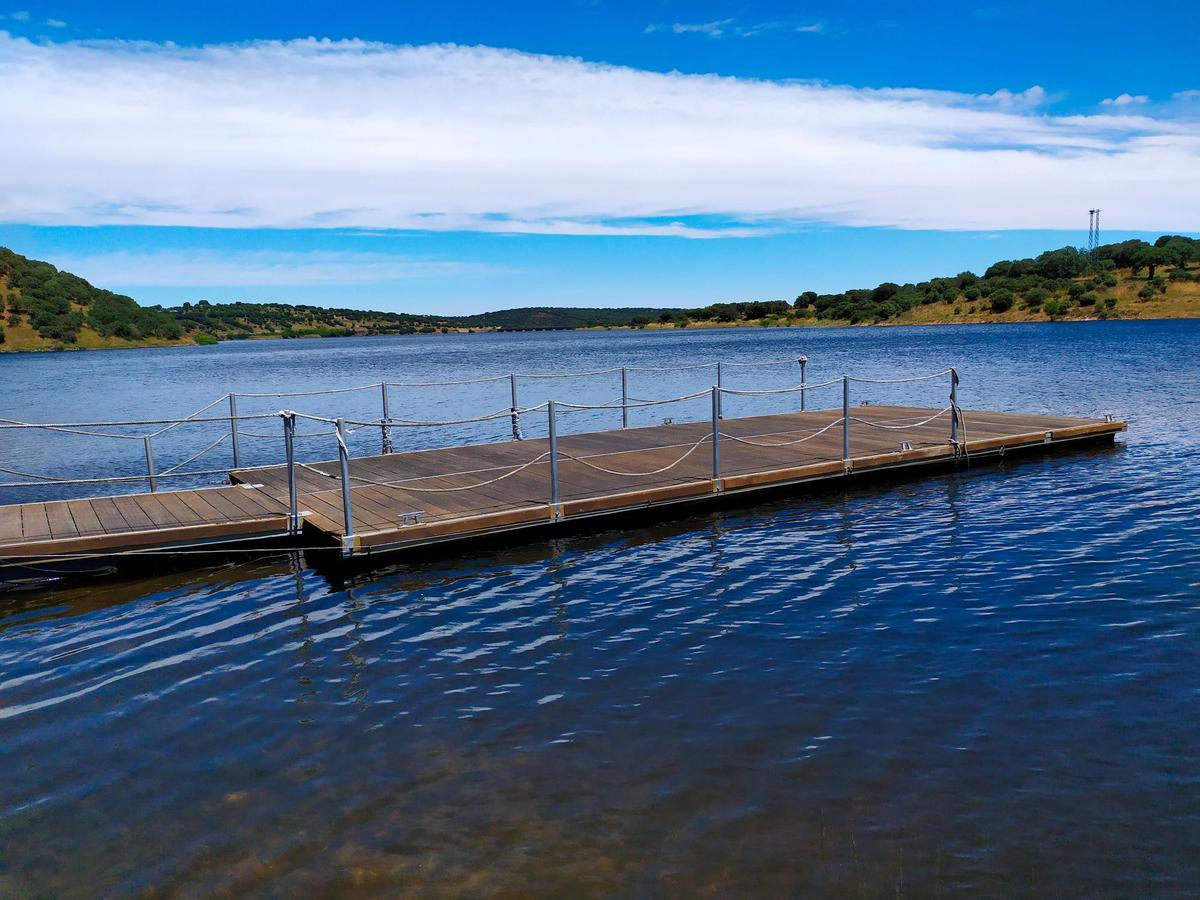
<point x="56" y="23"/>
<point x="1186" y="95"/>
<point x="21" y="15"/>
<point x="722" y="27"/>
<point x="1125" y="100"/>
<point x="712" y="29"/>
<point x="208" y="268"/>
<point x="353" y="134"/>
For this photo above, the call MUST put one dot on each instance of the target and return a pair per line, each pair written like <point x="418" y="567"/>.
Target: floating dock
<point x="374" y="504"/>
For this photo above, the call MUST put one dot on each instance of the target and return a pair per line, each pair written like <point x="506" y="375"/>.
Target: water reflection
<point x="972" y="683"/>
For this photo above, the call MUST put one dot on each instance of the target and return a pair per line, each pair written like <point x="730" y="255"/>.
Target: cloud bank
<point x="352" y="134"/>
<point x="209" y="268"/>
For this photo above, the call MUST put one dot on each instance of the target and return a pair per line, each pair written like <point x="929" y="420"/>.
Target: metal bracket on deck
<point x="410" y="518"/>
<point x="906" y="445"/>
<point x="1048" y="438"/>
<point x="1108" y="417"/>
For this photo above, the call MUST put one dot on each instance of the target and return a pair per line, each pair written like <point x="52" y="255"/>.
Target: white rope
<point x="116" y="479"/>
<point x="790" y="390"/>
<point x="321" y="393"/>
<point x="412" y="384"/>
<point x="687" y="453"/>
<point x="900" y="427"/>
<point x="762" y="362"/>
<point x="711" y="365"/>
<point x="188" y="418"/>
<point x="402" y="484"/>
<point x="191" y="459"/>
<point x="13" y="423"/>
<point x="940" y="374"/>
<point x="566" y="374"/>
<point x="809" y="437"/>
<point x="638" y="404"/>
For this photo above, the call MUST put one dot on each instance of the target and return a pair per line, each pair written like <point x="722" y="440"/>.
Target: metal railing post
<point x="289" y="449"/>
<point x="516" y="422"/>
<point x="553" y="427"/>
<point x="716" y="439"/>
<point x="347" y="503"/>
<point x="803" y="360"/>
<point x="233" y="430"/>
<point x="387" y="417"/>
<point x="720" y="384"/>
<point x="954" y="407"/>
<point x="846" y="421"/>
<point x="150" y="464"/>
<point x="624" y="397"/>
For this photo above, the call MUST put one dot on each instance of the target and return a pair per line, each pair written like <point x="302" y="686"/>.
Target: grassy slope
<point x="1182" y="300"/>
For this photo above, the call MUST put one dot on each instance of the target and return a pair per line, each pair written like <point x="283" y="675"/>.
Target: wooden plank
<point x="153" y="507"/>
<point x="34" y="523"/>
<point x="134" y="515"/>
<point x="62" y="523"/>
<point x="160" y="537"/>
<point x="179" y="508"/>
<point x="10" y="523"/>
<point x="110" y="516"/>
<point x="86" y="521"/>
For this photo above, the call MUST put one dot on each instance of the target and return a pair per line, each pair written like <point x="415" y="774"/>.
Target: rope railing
<point x="343" y="429"/>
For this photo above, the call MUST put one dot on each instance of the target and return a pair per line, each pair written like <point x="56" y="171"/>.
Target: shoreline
<point x="654" y="326"/>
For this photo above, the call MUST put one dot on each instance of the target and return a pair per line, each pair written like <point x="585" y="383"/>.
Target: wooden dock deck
<point x="161" y="521"/>
<point x="415" y="498"/>
<point x="412" y="499"/>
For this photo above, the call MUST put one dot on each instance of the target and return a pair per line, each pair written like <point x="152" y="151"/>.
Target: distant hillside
<point x="43" y="308"/>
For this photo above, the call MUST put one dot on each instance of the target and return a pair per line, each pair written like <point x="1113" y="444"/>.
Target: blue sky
<point x="457" y="157"/>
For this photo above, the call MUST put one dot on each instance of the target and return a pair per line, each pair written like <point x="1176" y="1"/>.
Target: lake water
<point x="982" y="682"/>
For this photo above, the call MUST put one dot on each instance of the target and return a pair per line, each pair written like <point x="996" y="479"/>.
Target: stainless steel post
<point x="387" y="417"/>
<point x="624" y="398"/>
<point x="289" y="448"/>
<point x="720" y="384"/>
<point x="716" y="438"/>
<point x="803" y="360"/>
<point x="150" y="464"/>
<point x="233" y="430"/>
<point x="553" y="455"/>
<point x="954" y="407"/>
<point x="846" y="421"/>
<point x="516" y="422"/>
<point x="347" y="503"/>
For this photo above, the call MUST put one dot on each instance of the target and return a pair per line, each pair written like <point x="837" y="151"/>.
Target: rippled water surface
<point x="984" y="682"/>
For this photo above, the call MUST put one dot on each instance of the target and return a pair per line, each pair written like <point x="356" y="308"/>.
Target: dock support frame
<point x="347" y="499"/>
<point x="552" y="425"/>
<point x="150" y="474"/>
<point x="289" y="449"/>
<point x="716" y="439"/>
<point x="387" y="418"/>
<point x="954" y="408"/>
<point x="516" y="420"/>
<point x="624" y="397"/>
<point x="233" y="431"/>
<point x="846" y="422"/>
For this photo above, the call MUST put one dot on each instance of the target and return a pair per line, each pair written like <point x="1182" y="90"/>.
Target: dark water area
<point x="984" y="682"/>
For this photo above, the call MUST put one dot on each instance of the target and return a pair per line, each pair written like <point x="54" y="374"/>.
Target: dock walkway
<point x="407" y="499"/>
<point x="398" y="500"/>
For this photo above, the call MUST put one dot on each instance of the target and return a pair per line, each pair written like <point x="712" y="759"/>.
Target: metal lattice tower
<point x="1093" y="230"/>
